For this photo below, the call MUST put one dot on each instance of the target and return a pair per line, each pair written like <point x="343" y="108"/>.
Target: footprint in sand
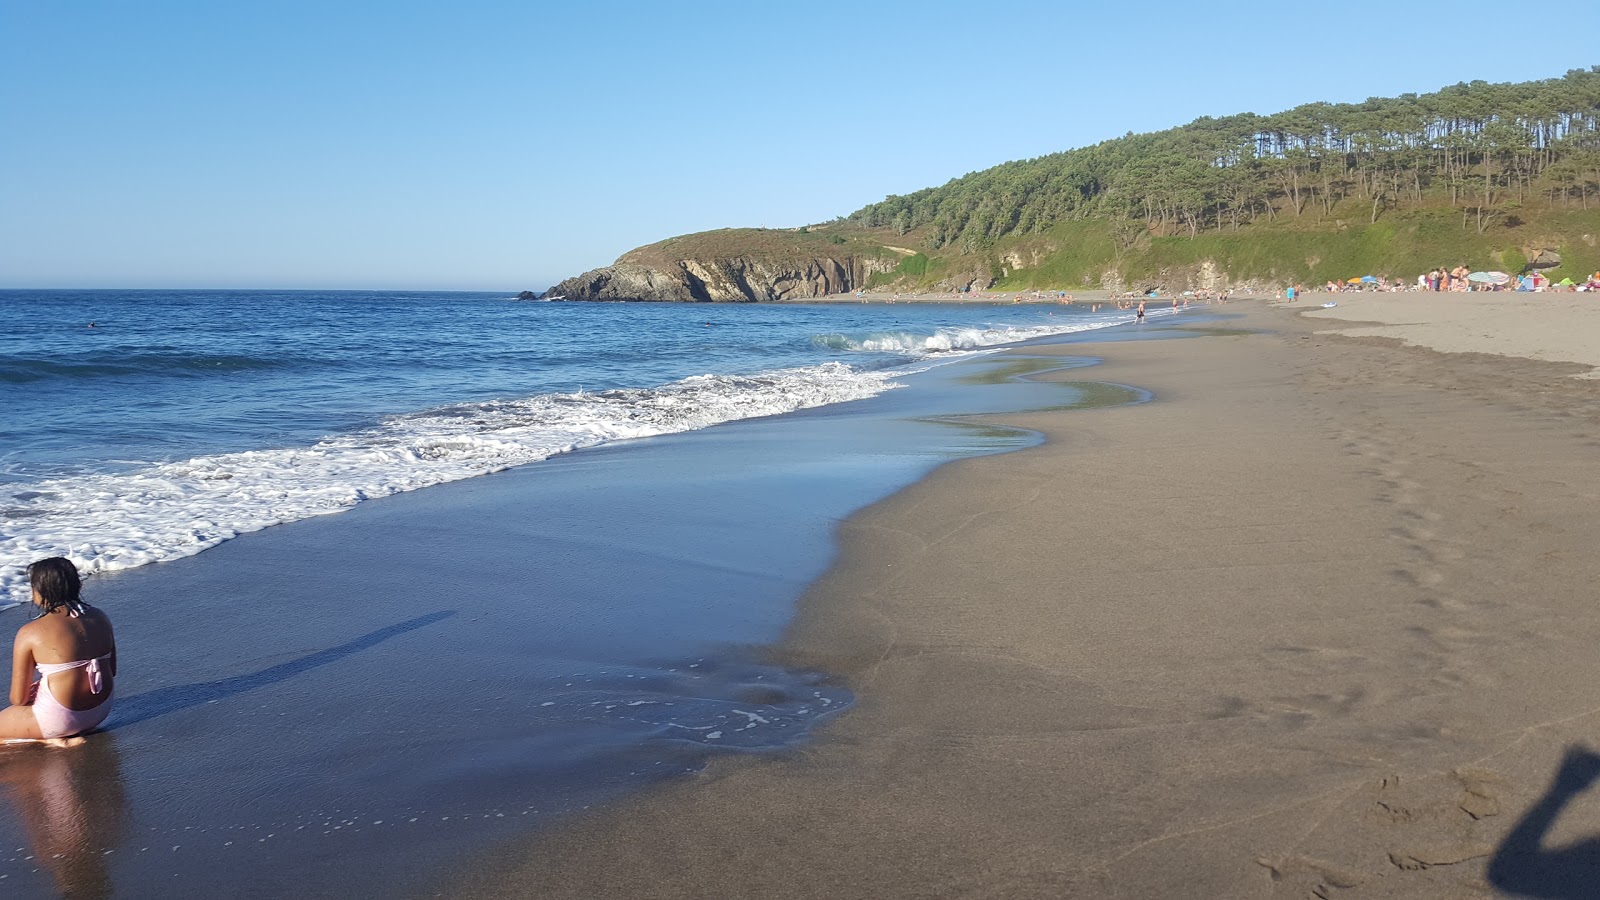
<point x="1325" y="874"/>
<point x="1416" y="858"/>
<point x="1480" y="791"/>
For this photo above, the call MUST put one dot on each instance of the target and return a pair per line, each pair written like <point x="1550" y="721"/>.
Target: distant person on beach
<point x="71" y="645"/>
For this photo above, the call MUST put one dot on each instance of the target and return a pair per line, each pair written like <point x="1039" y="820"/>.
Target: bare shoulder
<point x="28" y="634"/>
<point x="99" y="618"/>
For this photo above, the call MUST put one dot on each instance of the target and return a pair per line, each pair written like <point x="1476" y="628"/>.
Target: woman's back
<point x="72" y="648"/>
<point x="79" y="634"/>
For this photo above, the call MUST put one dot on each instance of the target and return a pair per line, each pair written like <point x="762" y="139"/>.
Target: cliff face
<point x="651" y="274"/>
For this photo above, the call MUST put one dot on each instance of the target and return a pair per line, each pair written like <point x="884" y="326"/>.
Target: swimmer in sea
<point x="71" y="646"/>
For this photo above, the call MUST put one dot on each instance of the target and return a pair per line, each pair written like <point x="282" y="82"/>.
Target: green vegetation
<point x="914" y="267"/>
<point x="1471" y="173"/>
<point x="1483" y="149"/>
<point x="1404" y="244"/>
<point x="778" y="245"/>
<point x="1477" y="174"/>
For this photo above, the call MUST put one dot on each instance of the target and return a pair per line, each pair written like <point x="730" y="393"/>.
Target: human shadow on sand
<point x="162" y="701"/>
<point x="1523" y="866"/>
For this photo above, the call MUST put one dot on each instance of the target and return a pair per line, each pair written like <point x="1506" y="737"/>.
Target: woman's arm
<point x="113" y="660"/>
<point x="21" y="671"/>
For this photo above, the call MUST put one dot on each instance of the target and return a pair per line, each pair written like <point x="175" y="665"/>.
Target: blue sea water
<point x="143" y="426"/>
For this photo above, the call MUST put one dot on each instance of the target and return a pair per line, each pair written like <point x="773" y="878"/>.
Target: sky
<point x="498" y="145"/>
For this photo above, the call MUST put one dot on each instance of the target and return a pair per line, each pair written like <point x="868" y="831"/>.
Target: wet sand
<point x="1319" y="620"/>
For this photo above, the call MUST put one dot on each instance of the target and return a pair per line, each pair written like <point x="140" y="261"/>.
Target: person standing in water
<point x="1139" y="316"/>
<point x="72" y="647"/>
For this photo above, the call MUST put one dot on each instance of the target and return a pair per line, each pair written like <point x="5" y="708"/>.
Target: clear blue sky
<point x="489" y="144"/>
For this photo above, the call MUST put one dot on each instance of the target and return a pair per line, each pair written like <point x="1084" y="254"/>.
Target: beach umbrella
<point x="1368" y="279"/>
<point x="1479" y="277"/>
<point x="1497" y="277"/>
<point x="1353" y="281"/>
<point x="1566" y="282"/>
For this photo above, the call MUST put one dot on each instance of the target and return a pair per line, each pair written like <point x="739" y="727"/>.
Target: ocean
<point x="144" y="426"/>
<point x="626" y="503"/>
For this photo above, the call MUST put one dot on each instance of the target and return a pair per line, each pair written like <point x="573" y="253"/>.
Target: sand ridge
<point x="1316" y="621"/>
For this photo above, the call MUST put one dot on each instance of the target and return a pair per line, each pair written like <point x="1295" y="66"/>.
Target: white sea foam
<point x="947" y="340"/>
<point x="107" y="522"/>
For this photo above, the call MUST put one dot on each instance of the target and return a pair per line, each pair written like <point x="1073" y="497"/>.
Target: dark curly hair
<point x="57" y="583"/>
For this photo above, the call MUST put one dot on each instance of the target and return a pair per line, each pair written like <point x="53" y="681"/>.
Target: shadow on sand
<point x="166" y="700"/>
<point x="1523" y="866"/>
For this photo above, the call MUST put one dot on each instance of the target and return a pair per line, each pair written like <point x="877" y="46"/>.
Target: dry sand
<point x="1320" y="620"/>
<point x="1548" y="326"/>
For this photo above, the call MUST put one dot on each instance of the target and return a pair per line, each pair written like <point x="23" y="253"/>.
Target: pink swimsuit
<point x="56" y="720"/>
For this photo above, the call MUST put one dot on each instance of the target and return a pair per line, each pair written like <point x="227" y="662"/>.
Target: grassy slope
<point x="1403" y="244"/>
<point x="1076" y="254"/>
<point x="768" y="244"/>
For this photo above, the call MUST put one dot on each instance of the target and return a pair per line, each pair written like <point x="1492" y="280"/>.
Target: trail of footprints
<point x="1434" y="821"/>
<point x="1406" y="826"/>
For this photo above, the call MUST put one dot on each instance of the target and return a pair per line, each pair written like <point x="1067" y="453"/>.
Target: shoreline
<point x="435" y="671"/>
<point x="1198" y="644"/>
<point x="1032" y="297"/>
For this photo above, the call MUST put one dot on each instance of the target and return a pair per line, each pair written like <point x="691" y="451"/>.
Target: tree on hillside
<point x="1475" y="147"/>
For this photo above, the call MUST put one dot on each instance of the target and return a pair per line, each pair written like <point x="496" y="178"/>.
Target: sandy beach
<point x="1316" y="621"/>
<point x="1547" y="326"/>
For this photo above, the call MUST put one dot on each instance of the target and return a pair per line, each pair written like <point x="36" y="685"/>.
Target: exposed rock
<point x="528" y="295"/>
<point x="1205" y="275"/>
<point x="1539" y="258"/>
<point x="625" y="282"/>
<point x="975" y="277"/>
<point x="737" y="279"/>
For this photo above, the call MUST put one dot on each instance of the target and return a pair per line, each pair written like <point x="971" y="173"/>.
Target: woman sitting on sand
<point x="71" y="645"/>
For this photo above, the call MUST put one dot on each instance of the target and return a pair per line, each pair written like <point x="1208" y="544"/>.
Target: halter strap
<point x="91" y="667"/>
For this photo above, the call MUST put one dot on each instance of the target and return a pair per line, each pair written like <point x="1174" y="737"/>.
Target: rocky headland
<point x="737" y="265"/>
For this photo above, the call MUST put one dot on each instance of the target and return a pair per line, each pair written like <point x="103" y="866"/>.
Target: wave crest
<point x="106" y="522"/>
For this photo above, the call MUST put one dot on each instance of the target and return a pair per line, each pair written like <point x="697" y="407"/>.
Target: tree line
<point x="1485" y="149"/>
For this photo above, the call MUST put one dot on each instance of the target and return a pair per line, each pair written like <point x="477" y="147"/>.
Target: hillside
<point x="1486" y="175"/>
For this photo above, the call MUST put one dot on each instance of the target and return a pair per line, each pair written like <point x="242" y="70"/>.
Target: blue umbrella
<point x="1368" y="279"/>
